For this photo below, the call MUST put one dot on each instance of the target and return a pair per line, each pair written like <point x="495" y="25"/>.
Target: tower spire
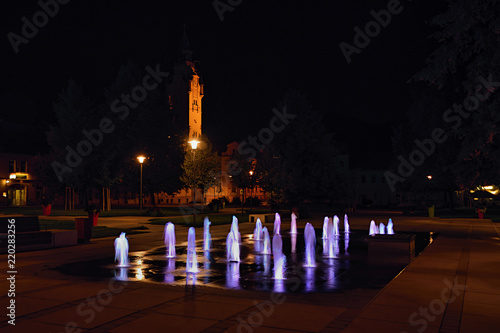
<point x="185" y="51"/>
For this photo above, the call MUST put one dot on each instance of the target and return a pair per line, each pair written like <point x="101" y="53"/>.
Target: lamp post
<point x="251" y="190"/>
<point x="194" y="145"/>
<point x="141" y="160"/>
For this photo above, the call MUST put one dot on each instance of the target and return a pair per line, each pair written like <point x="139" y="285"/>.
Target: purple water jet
<point x="310" y="242"/>
<point x="279" y="258"/>
<point x="121" y="251"/>
<point x="169" y="239"/>
<point x="267" y="242"/>
<point x="277" y="224"/>
<point x="390" y="227"/>
<point x="293" y="224"/>
<point x="346" y="224"/>
<point x="191" y="261"/>
<point x="373" y="228"/>
<point x="207" y="237"/>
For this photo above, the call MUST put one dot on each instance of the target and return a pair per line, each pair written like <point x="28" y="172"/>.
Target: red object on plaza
<point x="93" y="218"/>
<point x="46" y="209"/>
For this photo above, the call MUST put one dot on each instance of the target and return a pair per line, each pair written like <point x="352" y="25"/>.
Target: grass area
<point x="97" y="232"/>
<point x="492" y="213"/>
<point x="187" y="220"/>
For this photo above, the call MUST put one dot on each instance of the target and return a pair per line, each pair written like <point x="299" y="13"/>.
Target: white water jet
<point x="257" y="232"/>
<point x="333" y="247"/>
<point x="207" y="237"/>
<point x="232" y="247"/>
<point x="191" y="261"/>
<point x="310" y="242"/>
<point x="169" y="239"/>
<point x="277" y="224"/>
<point x="381" y="229"/>
<point x="293" y="224"/>
<point x="346" y="224"/>
<point x="326" y="222"/>
<point x="390" y="227"/>
<point x="336" y="225"/>
<point x="373" y="228"/>
<point x="235" y="230"/>
<point x="267" y="242"/>
<point x="121" y="251"/>
<point x="294" y="242"/>
<point x="279" y="258"/>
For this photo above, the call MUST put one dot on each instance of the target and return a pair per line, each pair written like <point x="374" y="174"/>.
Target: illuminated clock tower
<point x="185" y="91"/>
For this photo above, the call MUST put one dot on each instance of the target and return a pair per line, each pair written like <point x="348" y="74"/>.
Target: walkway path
<point x="453" y="286"/>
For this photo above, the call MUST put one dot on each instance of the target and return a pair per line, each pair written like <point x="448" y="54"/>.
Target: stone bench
<point x="264" y="218"/>
<point x="28" y="236"/>
<point x="396" y="243"/>
<point x="391" y="249"/>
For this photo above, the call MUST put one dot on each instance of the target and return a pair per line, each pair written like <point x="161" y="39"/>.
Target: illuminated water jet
<point x="293" y="224"/>
<point x="121" y="251"/>
<point x="169" y="239"/>
<point x="191" y="261"/>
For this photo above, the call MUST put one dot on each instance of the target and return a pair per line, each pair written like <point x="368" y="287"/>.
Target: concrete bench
<point x="396" y="243"/>
<point x="264" y="218"/>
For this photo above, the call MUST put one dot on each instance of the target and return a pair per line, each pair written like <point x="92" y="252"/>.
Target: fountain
<point x="310" y="240"/>
<point x="235" y="229"/>
<point x="232" y="247"/>
<point x="277" y="224"/>
<point x="121" y="251"/>
<point x="326" y="222"/>
<point x="191" y="261"/>
<point x="267" y="243"/>
<point x="206" y="234"/>
<point x="293" y="224"/>
<point x="381" y="229"/>
<point x="169" y="239"/>
<point x="390" y="228"/>
<point x="346" y="224"/>
<point x="336" y="225"/>
<point x="279" y="258"/>
<point x="373" y="228"/>
<point x="257" y="232"/>
<point x="332" y="247"/>
<point x="294" y="242"/>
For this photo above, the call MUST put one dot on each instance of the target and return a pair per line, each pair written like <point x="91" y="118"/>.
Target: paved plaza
<point x="453" y="286"/>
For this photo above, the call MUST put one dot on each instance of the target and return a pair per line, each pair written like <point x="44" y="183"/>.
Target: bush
<point x="252" y="201"/>
<point x="154" y="211"/>
<point x="236" y="201"/>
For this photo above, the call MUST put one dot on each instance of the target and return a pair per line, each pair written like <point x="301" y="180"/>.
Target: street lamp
<point x="194" y="145"/>
<point x="141" y="160"/>
<point x="251" y="190"/>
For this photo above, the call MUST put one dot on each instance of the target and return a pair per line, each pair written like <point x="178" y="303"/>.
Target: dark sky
<point x="259" y="51"/>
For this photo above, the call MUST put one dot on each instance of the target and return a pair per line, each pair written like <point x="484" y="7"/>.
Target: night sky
<point x="258" y="52"/>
